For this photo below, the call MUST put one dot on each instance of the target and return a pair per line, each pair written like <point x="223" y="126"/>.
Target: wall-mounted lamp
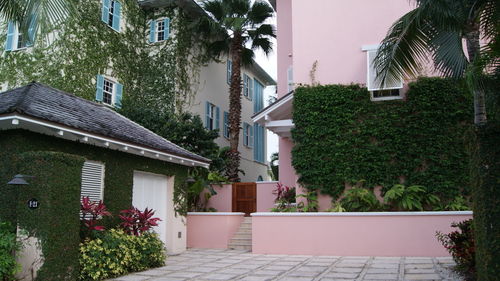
<point x="19" y="180"/>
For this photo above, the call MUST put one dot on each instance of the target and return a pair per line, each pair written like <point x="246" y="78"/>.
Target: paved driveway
<point x="203" y="264"/>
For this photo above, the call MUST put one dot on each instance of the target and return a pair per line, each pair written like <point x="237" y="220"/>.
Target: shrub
<point x="92" y="212"/>
<point x="135" y="222"/>
<point x="285" y="195"/>
<point x="8" y="245"/>
<point x="312" y="202"/>
<point x="115" y="253"/>
<point x="411" y="198"/>
<point x="360" y="199"/>
<point x="460" y="244"/>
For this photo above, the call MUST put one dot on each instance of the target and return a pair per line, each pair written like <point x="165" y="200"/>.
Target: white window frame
<point x="248" y="135"/>
<point x="15" y="41"/>
<point x="225" y="125"/>
<point x="157" y="30"/>
<point x="371" y="50"/>
<point x="113" y="91"/>
<point x="248" y="88"/>
<point x="92" y="180"/>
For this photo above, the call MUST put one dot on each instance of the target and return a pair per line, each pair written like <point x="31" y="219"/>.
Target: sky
<point x="270" y="65"/>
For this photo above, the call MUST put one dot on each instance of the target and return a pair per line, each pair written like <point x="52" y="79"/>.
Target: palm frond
<point x="237" y="8"/>
<point x="264" y="44"/>
<point x="259" y="12"/>
<point x="404" y="47"/>
<point x="247" y="56"/>
<point x="264" y="30"/>
<point x="448" y="54"/>
<point x="215" y="8"/>
<point x="11" y="10"/>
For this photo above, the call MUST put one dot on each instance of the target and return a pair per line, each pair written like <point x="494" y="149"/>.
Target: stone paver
<point x="217" y="264"/>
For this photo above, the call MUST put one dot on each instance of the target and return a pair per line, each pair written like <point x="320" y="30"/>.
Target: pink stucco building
<point x="326" y="42"/>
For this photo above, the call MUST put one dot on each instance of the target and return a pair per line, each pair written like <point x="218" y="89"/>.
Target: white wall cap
<point x="361" y="214"/>
<point x="214" y="214"/>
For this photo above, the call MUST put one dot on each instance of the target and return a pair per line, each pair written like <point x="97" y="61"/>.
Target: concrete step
<point x="240" y="240"/>
<point x="241" y="247"/>
<point x="244" y="235"/>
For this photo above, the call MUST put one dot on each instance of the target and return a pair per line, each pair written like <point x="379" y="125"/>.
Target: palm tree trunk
<point x="473" y="48"/>
<point x="235" y="108"/>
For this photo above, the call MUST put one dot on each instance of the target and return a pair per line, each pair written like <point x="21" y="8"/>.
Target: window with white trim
<point x="111" y="13"/>
<point x="109" y="92"/>
<point x="93" y="181"/>
<point x="247" y="135"/>
<point x="229" y="71"/>
<point x="211" y="116"/>
<point x="247" y="87"/>
<point x="389" y="90"/>
<point x="16" y="40"/>
<point x="159" y="30"/>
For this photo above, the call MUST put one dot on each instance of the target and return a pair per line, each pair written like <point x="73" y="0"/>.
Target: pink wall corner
<point x="287" y="172"/>
<point x="223" y="200"/>
<point x="265" y="196"/>
<point x="212" y="230"/>
<point x="351" y="235"/>
<point x="285" y="45"/>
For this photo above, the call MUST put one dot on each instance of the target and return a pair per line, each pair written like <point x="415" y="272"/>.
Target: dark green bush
<point x="341" y="136"/>
<point x="116" y="253"/>
<point x="8" y="245"/>
<point x="460" y="244"/>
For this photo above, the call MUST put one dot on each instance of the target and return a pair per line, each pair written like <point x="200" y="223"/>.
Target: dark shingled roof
<point x="43" y="102"/>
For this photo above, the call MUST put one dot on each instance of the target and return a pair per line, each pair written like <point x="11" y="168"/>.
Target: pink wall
<point x="334" y="34"/>
<point x="352" y="234"/>
<point x="287" y="172"/>
<point x="223" y="200"/>
<point x="284" y="46"/>
<point x="212" y="230"/>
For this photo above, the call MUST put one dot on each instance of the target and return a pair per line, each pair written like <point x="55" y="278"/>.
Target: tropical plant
<point x="459" y="203"/>
<point x="137" y="222"/>
<point x="8" y="245"/>
<point x="115" y="253"/>
<point x="360" y="199"/>
<point x="91" y="213"/>
<point x="311" y="204"/>
<point x="274" y="164"/>
<point x="336" y="208"/>
<point x="438" y="28"/>
<point x="460" y="244"/>
<point x="411" y="198"/>
<point x="47" y="13"/>
<point x="237" y="28"/>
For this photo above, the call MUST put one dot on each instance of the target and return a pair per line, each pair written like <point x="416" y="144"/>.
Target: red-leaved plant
<point x="136" y="222"/>
<point x="284" y="194"/>
<point x="92" y="212"/>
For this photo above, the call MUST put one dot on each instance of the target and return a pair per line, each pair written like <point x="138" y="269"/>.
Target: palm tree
<point x="237" y="28"/>
<point x="39" y="15"/>
<point x="437" y="28"/>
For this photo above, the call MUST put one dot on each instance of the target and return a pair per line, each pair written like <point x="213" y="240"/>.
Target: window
<point x="260" y="178"/>
<point x="258" y="99"/>
<point x="226" y="124"/>
<point x="109" y="92"/>
<point x="159" y="30"/>
<point x="389" y="90"/>
<point x="247" y="87"/>
<point x="211" y="117"/>
<point x="247" y="135"/>
<point x="229" y="71"/>
<point x="16" y="40"/>
<point x="259" y="138"/>
<point x="93" y="180"/>
<point x="111" y="13"/>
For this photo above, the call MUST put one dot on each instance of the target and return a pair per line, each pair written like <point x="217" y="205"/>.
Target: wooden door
<point x="245" y="197"/>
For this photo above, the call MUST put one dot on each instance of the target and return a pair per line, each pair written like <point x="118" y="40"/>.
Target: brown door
<point x="245" y="197"/>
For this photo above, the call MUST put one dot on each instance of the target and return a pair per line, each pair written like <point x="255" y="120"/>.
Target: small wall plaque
<point x="33" y="203"/>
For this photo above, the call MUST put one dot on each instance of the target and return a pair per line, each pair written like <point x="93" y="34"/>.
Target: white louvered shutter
<point x="289" y="75"/>
<point x="93" y="181"/>
<point x="374" y="84"/>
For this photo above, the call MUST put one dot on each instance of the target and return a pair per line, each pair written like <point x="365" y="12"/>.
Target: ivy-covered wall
<point x="154" y="75"/>
<point x="342" y="137"/>
<point x="56" y="186"/>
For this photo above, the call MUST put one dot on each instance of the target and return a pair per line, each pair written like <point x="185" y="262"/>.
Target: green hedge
<point x="56" y="186"/>
<point x="341" y="136"/>
<point x="487" y="202"/>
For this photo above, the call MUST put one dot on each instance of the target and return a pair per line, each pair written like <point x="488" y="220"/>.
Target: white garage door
<point x="150" y="191"/>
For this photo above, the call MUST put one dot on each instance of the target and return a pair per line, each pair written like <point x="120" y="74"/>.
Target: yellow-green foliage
<point x="115" y="253"/>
